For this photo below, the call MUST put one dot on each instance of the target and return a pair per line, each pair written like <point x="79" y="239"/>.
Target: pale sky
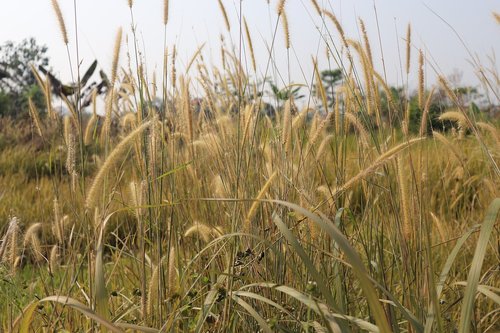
<point x="193" y="22"/>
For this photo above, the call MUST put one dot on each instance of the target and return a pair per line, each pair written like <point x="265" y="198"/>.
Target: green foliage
<point x="5" y="102"/>
<point x="433" y="123"/>
<point x="287" y="92"/>
<point x="17" y="82"/>
<point x="330" y="78"/>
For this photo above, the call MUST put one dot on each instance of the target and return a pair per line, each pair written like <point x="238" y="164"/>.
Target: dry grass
<point x="209" y="214"/>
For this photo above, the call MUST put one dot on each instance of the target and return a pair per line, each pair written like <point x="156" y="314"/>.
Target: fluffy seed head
<point x="281" y="7"/>
<point x="88" y="137"/>
<point x="497" y="17"/>
<point x="71" y="153"/>
<point x="256" y="203"/>
<point x="53" y="258"/>
<point x="13" y="228"/>
<point x="205" y="232"/>
<point x="323" y="145"/>
<point x="366" y="41"/>
<point x="336" y="22"/>
<point x="316" y="6"/>
<point x="35" y="116"/>
<point x="491" y="130"/>
<point x="165" y="11"/>
<point x="60" y="20"/>
<point x="408" y="48"/>
<point x="420" y="79"/>
<point x="423" y="123"/>
<point x="32" y="240"/>
<point x="454" y="116"/>
<point x="172" y="272"/>
<point x="250" y="45"/>
<point x="173" y="70"/>
<point x="113" y="158"/>
<point x="286" y="31"/>
<point x="116" y="56"/>
<point x="224" y="14"/>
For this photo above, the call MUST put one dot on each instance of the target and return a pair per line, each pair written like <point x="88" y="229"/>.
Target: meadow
<point x="361" y="210"/>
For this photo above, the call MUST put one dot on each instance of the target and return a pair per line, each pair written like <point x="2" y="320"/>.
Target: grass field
<point x="209" y="214"/>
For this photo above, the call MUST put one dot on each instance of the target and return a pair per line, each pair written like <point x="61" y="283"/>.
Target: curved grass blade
<point x="261" y="298"/>
<point x="318" y="307"/>
<point x="485" y="290"/>
<point x="174" y="170"/>
<point x="322" y="285"/>
<point x="263" y="324"/>
<point x="476" y="265"/>
<point x="25" y="319"/>
<point x="209" y="302"/>
<point x="137" y="328"/>
<point x="352" y="257"/>
<point x="444" y="275"/>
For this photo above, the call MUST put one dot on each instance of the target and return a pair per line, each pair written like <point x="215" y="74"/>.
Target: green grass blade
<point x="353" y="258"/>
<point x="476" y="265"/>
<point x="444" y="275"/>
<point x="322" y="285"/>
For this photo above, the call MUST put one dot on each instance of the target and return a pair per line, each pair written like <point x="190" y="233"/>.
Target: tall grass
<point x="211" y="214"/>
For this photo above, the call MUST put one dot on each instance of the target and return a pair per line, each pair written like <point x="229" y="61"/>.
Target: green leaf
<point x="476" y="265"/>
<point x="88" y="73"/>
<point x="353" y="259"/>
<point x="322" y="285"/>
<point x="444" y="275"/>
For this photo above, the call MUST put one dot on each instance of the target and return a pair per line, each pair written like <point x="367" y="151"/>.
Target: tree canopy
<point x="17" y="81"/>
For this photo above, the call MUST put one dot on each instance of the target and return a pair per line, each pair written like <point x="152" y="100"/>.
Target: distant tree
<point x="17" y="82"/>
<point x="330" y="78"/>
<point x="285" y="93"/>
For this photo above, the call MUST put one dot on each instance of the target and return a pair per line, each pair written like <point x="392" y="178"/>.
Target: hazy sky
<point x="192" y="22"/>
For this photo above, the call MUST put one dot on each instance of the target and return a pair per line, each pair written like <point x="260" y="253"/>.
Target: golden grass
<point x="183" y="216"/>
<point x="286" y="31"/>
<point x="60" y="20"/>
<point x="281" y="7"/>
<point x="408" y="49"/>
<point x="338" y="26"/>
<point x="224" y="15"/>
<point x="112" y="160"/>
<point x="165" y="11"/>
